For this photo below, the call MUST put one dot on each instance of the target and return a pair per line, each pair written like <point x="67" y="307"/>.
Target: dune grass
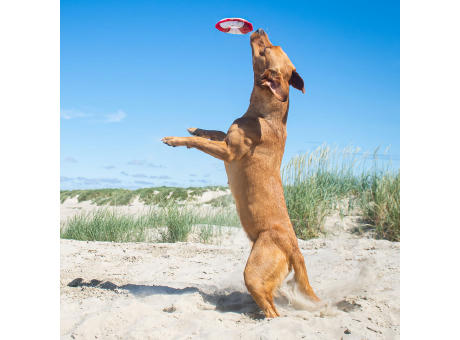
<point x="170" y="223"/>
<point x="222" y="201"/>
<point x="106" y="225"/>
<point x="179" y="223"/>
<point x="380" y="204"/>
<point x="207" y="232"/>
<point x="149" y="196"/>
<point x="317" y="183"/>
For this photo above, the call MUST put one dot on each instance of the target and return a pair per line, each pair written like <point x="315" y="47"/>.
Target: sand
<point x="196" y="291"/>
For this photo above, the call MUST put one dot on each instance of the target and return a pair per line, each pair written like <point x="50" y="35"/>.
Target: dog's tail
<point x="300" y="275"/>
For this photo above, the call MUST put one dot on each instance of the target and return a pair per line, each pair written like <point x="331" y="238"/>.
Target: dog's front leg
<point x="209" y="134"/>
<point x="217" y="149"/>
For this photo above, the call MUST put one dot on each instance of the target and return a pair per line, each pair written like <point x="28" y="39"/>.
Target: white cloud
<point x="140" y="175"/>
<point x="115" y="117"/>
<point x="70" y="160"/>
<point x="72" y="114"/>
<point x="143" y="162"/>
<point x="79" y="181"/>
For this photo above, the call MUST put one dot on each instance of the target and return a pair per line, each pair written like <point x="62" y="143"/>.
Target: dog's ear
<point x="273" y="80"/>
<point x="296" y="81"/>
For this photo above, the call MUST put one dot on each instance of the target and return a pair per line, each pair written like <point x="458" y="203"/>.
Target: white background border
<point x="430" y="170"/>
<point x="29" y="139"/>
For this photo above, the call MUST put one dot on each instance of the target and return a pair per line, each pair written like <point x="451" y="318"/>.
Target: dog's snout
<point x="260" y="31"/>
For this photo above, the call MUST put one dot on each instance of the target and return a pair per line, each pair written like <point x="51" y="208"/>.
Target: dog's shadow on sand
<point x="237" y="302"/>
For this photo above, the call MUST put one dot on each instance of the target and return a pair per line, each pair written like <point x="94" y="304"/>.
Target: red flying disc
<point x="234" y="26"/>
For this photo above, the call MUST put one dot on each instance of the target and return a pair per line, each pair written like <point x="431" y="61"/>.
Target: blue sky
<point x="135" y="71"/>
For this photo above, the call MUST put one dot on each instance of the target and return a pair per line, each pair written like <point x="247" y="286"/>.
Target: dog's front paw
<point x="171" y="141"/>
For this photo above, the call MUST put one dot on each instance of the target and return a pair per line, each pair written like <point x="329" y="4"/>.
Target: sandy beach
<point x="190" y="290"/>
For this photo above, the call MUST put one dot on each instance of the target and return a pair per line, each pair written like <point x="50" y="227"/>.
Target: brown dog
<point x="252" y="151"/>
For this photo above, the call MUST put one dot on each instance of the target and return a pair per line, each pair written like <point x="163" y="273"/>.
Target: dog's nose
<point x="260" y="31"/>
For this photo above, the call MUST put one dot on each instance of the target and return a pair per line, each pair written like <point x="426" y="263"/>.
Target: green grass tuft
<point x="106" y="225"/>
<point x="179" y="224"/>
<point x="315" y="184"/>
<point x="173" y="223"/>
<point x="380" y="205"/>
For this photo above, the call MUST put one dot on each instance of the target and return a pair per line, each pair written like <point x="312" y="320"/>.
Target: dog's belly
<point x="259" y="197"/>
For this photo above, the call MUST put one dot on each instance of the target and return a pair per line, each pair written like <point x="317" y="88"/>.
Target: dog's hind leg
<point x="266" y="268"/>
<point x="301" y="276"/>
<point x="209" y="134"/>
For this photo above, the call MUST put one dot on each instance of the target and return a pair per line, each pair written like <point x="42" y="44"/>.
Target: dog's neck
<point x="263" y="104"/>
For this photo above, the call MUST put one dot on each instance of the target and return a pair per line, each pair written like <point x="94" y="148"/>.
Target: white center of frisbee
<point x="232" y="24"/>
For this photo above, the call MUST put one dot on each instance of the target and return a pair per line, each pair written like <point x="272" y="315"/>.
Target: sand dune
<point x="71" y="207"/>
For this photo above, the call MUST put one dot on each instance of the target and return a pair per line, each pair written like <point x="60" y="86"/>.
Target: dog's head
<point x="272" y="68"/>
